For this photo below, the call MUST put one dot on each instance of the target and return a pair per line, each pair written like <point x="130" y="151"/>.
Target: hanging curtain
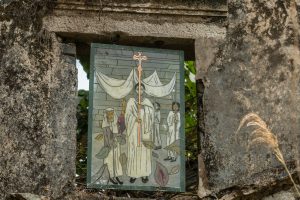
<point x="154" y="87"/>
<point x="153" y="79"/>
<point x="116" y="88"/>
<point x="119" y="89"/>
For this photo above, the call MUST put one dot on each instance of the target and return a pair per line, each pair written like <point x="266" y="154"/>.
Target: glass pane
<point x="136" y="119"/>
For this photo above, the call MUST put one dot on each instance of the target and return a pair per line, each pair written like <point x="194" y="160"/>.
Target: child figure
<point x="157" y="138"/>
<point x="173" y="121"/>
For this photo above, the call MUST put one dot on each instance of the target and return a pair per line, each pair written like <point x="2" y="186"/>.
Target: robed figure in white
<point x="139" y="161"/>
<point x="110" y="130"/>
<point x="173" y="121"/>
<point x="157" y="138"/>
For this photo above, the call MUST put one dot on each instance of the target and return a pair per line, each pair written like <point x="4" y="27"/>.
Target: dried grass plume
<point x="261" y="135"/>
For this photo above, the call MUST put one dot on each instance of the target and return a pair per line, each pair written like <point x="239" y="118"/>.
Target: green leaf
<point x="161" y="175"/>
<point x="190" y="65"/>
<point x="148" y="144"/>
<point x="99" y="137"/>
<point x="175" y="146"/>
<point x="103" y="153"/>
<point x="175" y="170"/>
<point x="123" y="159"/>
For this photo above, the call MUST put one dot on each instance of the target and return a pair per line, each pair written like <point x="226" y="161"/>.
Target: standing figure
<point x="157" y="138"/>
<point x="110" y="130"/>
<point x="139" y="128"/>
<point x="173" y="121"/>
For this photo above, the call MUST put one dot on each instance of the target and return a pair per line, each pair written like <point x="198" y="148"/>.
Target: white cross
<point x="140" y="58"/>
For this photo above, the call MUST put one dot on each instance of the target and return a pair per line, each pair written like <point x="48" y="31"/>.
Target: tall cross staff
<point x="140" y="58"/>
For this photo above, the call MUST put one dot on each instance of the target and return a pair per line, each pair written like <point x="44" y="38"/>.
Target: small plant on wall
<point x="261" y="135"/>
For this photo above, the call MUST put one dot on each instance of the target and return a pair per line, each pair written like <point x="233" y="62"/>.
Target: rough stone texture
<point x="206" y="49"/>
<point x="38" y="111"/>
<point x="136" y="18"/>
<point x="66" y="21"/>
<point x="283" y="195"/>
<point x="26" y="196"/>
<point x="257" y="70"/>
<point x="169" y="25"/>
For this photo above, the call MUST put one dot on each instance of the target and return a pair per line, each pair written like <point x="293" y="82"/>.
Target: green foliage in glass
<point x="190" y="111"/>
<point x="82" y="130"/>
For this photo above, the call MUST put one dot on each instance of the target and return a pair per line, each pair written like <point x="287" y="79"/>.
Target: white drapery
<point x="154" y="87"/>
<point x="118" y="89"/>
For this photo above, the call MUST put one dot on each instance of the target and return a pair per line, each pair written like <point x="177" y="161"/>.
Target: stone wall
<point x="37" y="98"/>
<point x="255" y="70"/>
<point x="169" y="25"/>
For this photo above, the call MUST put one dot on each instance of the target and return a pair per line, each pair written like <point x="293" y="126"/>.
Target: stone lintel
<point x="148" y="25"/>
<point x="150" y="7"/>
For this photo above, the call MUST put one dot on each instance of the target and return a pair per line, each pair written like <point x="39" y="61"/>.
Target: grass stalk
<point x="261" y="135"/>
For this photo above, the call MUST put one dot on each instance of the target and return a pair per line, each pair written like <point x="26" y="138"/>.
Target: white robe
<point x="139" y="157"/>
<point x="112" y="160"/>
<point x="173" y="133"/>
<point x="157" y="138"/>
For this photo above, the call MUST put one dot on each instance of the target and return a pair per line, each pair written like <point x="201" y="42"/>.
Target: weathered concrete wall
<point x="256" y="70"/>
<point x="169" y="25"/>
<point x="170" y="19"/>
<point x="282" y="195"/>
<point x="37" y="112"/>
<point x="206" y="49"/>
<point x="38" y="83"/>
